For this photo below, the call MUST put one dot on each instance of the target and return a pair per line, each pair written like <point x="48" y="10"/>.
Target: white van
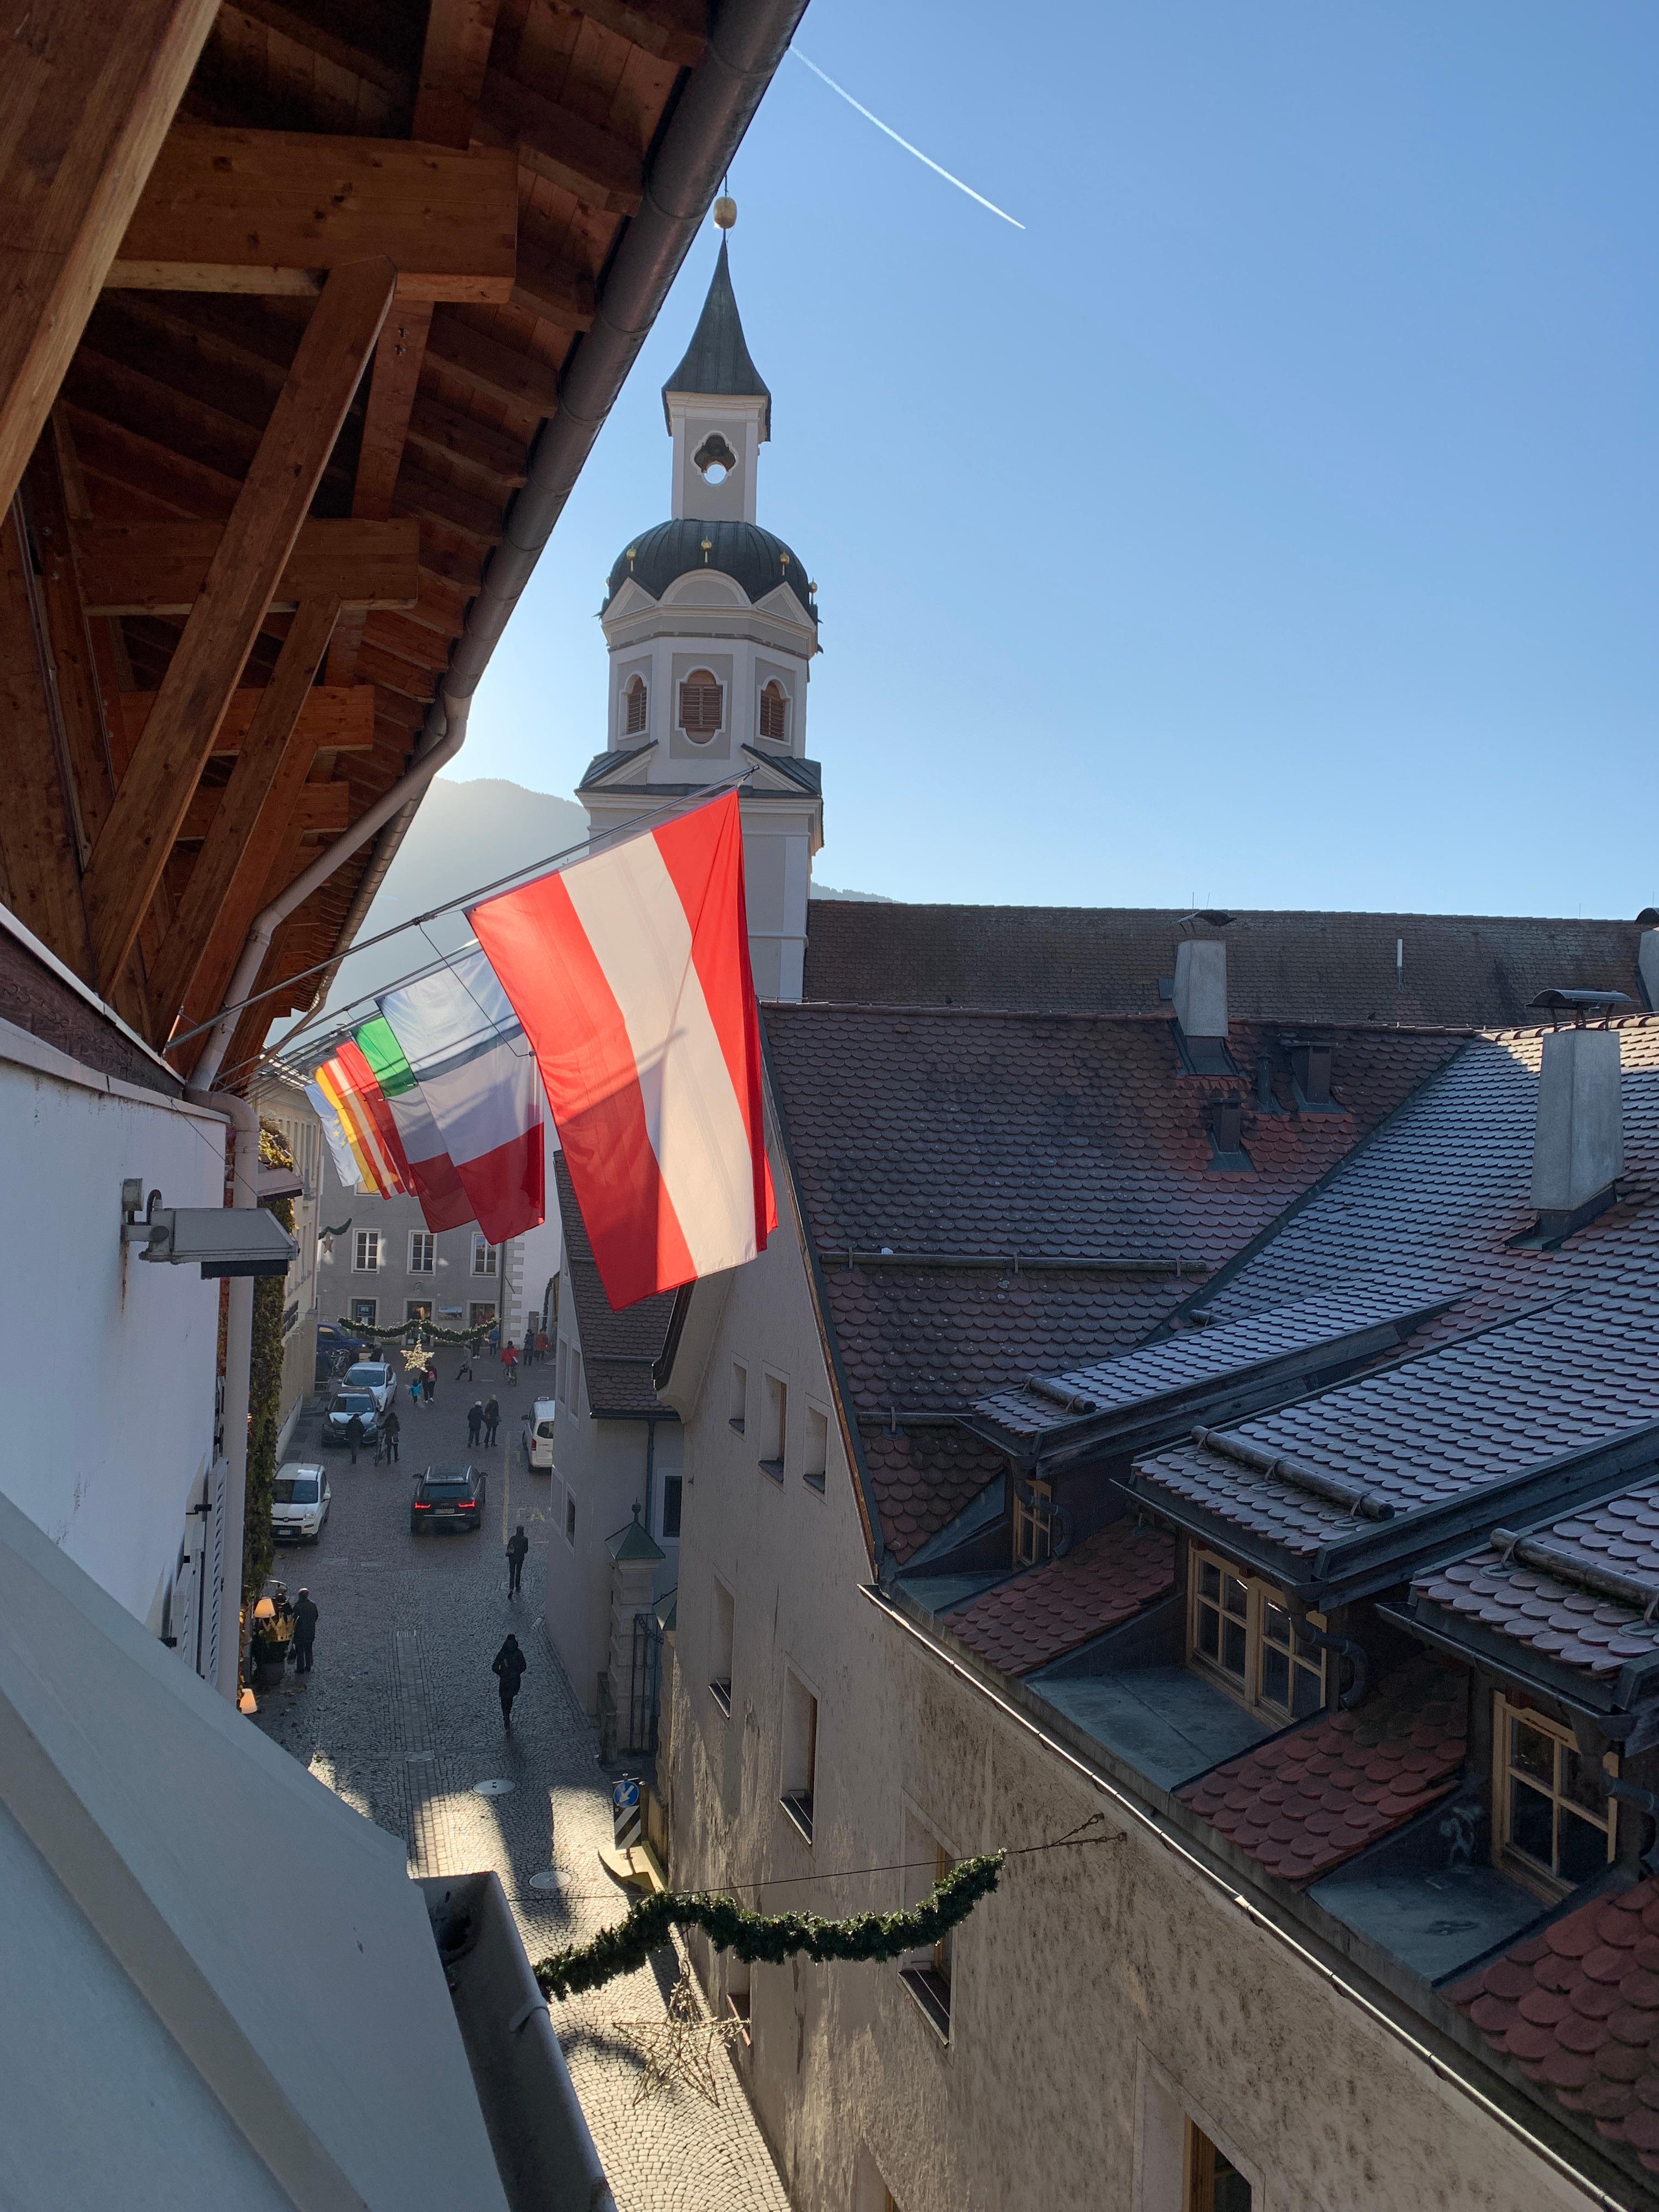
<point x="541" y="1435"/>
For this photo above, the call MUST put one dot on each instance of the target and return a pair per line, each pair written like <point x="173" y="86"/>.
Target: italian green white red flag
<point x="431" y="1176"/>
<point x="478" y="1077"/>
<point x="630" y="973"/>
<point x="360" y="1117"/>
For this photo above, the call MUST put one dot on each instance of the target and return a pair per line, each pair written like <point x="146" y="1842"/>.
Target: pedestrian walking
<point x="393" y="1431"/>
<point x="518" y="1545"/>
<point x="415" y="1389"/>
<point x="542" y="1348"/>
<point x="431" y="1382"/>
<point x="354" y="1435"/>
<point x="305" y="1632"/>
<point x="494" y="1339"/>
<point x="509" y="1668"/>
<point x="510" y="1362"/>
<point x="464" y="1373"/>
<point x="474" y="1420"/>
<point x="492" y="1417"/>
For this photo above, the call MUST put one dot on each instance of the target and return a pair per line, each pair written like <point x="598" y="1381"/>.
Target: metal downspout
<point x="748" y="40"/>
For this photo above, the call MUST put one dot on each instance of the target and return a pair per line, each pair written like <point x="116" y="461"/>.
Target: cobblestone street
<point x="399" y="1717"/>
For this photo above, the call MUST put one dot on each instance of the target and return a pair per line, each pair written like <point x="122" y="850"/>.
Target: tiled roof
<point x="1569" y="1624"/>
<point x="1304" y="1801"/>
<point x="617" y="1348"/>
<point x="1484" y="1411"/>
<point x="1475" y="970"/>
<point x="964" y="1135"/>
<point x="922" y="1479"/>
<point x="1196" y="1358"/>
<point x="1576" y="2008"/>
<point x="1443" y="1188"/>
<point x="1053" y="1608"/>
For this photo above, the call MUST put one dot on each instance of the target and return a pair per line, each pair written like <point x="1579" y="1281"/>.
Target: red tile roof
<point x="1051" y="1609"/>
<point x="1576" y="2008"/>
<point x="1304" y="1801"/>
<point x="618" y="1349"/>
<point x="1478" y="969"/>
<point x="922" y="1479"/>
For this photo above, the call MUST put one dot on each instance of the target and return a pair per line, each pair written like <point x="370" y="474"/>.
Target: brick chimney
<point x="1200" y="987"/>
<point x="1578" y="1149"/>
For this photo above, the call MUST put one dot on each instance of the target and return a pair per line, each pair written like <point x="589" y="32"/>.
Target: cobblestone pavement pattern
<point x="399" y="1716"/>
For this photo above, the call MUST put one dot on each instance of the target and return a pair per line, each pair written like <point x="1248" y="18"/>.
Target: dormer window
<point x="1240" y="1631"/>
<point x="775" y="712"/>
<point x="633" y="707"/>
<point x="701" y="706"/>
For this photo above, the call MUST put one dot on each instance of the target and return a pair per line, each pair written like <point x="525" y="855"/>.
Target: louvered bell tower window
<point x="774" y="713"/>
<point x="633" y="707"/>
<point x="700" y="706"/>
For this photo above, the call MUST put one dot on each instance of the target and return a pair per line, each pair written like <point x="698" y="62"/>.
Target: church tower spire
<point x="713" y="626"/>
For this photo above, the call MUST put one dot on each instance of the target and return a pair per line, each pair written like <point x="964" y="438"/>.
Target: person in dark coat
<point x="354" y="1435"/>
<point x="474" y="1420"/>
<point x="518" y="1546"/>
<point x="509" y="1668"/>
<point x="392" y="1429"/>
<point x="492" y="1417"/>
<point x="305" y="1632"/>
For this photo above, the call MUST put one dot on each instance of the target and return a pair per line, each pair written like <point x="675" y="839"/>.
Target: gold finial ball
<point x="725" y="212"/>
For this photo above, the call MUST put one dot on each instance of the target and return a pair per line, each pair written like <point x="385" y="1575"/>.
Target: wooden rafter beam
<point x="39" y="840"/>
<point x="265" y="784"/>
<point x="253" y="550"/>
<point x="274" y="210"/>
<point x="492" y="368"/>
<point x="85" y="98"/>
<point x="672" y="30"/>
<point x="341" y="720"/>
<point x="340" y="53"/>
<point x="436" y="429"/>
<point x="553" y="289"/>
<point x="162" y="567"/>
<point x="602" y="170"/>
<point x="453" y="65"/>
<point x="321" y="810"/>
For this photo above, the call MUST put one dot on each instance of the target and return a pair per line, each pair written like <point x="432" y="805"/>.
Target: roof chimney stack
<point x="1578" y="1149"/>
<point x="1200" y="987"/>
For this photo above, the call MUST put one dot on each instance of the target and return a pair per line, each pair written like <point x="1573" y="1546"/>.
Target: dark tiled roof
<point x="1566" y="1622"/>
<point x="1481" y="1412"/>
<point x="1478" y="971"/>
<point x="957" y="1135"/>
<point x="1576" y="2008"/>
<point x="1051" y="1609"/>
<point x="922" y="1479"/>
<point x="718" y="359"/>
<point x="1304" y="1801"/>
<point x="752" y="556"/>
<point x="617" y="1348"/>
<point x="1196" y="1358"/>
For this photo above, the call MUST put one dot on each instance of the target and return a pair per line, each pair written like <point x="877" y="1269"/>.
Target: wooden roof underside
<point x="401" y="214"/>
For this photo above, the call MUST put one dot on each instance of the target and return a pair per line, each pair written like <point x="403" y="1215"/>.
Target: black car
<point x="341" y="1405"/>
<point x="447" y="1497"/>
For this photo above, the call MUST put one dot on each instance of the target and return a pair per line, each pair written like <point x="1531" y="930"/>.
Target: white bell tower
<point x="712" y="627"/>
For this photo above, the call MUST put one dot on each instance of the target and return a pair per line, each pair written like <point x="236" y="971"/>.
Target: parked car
<point x="452" y="1497"/>
<point x="336" y="1349"/>
<point x="299" y="1499"/>
<point x="341" y="1407"/>
<point x="539" y="1439"/>
<point x="377" y="1376"/>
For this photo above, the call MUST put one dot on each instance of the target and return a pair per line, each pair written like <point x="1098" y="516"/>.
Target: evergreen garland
<point x="264" y="1398"/>
<point x="415" y="1333"/>
<point x="767" y="1936"/>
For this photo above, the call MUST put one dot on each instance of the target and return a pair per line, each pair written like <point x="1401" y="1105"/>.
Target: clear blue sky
<point x="1271" y="522"/>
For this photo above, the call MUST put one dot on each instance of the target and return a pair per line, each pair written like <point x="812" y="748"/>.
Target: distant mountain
<point x="464" y="836"/>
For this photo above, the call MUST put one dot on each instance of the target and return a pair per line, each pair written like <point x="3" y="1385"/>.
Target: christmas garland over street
<point x="414" y="1332"/>
<point x="769" y="1937"/>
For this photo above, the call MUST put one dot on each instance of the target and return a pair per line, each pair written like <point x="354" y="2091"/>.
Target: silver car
<point x="378" y="1376"/>
<point x="299" y="1499"/>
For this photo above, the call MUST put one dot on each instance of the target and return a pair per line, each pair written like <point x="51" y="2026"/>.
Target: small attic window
<point x="701" y="706"/>
<point x="634" y="705"/>
<point x="775" y="712"/>
<point x="714" y="459"/>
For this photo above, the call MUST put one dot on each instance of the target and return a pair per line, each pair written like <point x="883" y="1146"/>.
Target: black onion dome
<point x="752" y="556"/>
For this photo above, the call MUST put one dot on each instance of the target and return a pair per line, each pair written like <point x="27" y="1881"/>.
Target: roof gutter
<point x="748" y="41"/>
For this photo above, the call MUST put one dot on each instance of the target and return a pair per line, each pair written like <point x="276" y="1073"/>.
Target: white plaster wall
<point x="107" y="1403"/>
<point x="1093" y="1971"/>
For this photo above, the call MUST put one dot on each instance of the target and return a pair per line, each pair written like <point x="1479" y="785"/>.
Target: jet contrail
<point x="905" y="143"/>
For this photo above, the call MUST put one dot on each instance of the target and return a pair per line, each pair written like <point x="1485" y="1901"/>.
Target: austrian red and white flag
<point x="630" y="973"/>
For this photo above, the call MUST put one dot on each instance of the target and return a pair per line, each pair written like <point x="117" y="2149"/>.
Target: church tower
<point x="712" y="627"/>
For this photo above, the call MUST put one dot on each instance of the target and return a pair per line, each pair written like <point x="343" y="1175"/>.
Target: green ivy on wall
<point x="770" y="1937"/>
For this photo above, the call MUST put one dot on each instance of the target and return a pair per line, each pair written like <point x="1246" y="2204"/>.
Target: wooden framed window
<point x="635" y="700"/>
<point x="926" y="1974"/>
<point x="365" y="1253"/>
<point x="816" y="1470"/>
<point x="720" y="1659"/>
<point x="800" y="1751"/>
<point x="422" y="1252"/>
<point x="775" y="1434"/>
<point x="738" y="1400"/>
<point x="483" y="1255"/>
<point x="1551" y="1820"/>
<point x="701" y="705"/>
<point x="1214" y="2183"/>
<point x="775" y="712"/>
<point x="1034" y="1534"/>
<point x="1242" y="1630"/>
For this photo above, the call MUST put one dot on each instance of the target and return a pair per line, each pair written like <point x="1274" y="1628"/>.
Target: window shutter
<point x="701" y="699"/>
